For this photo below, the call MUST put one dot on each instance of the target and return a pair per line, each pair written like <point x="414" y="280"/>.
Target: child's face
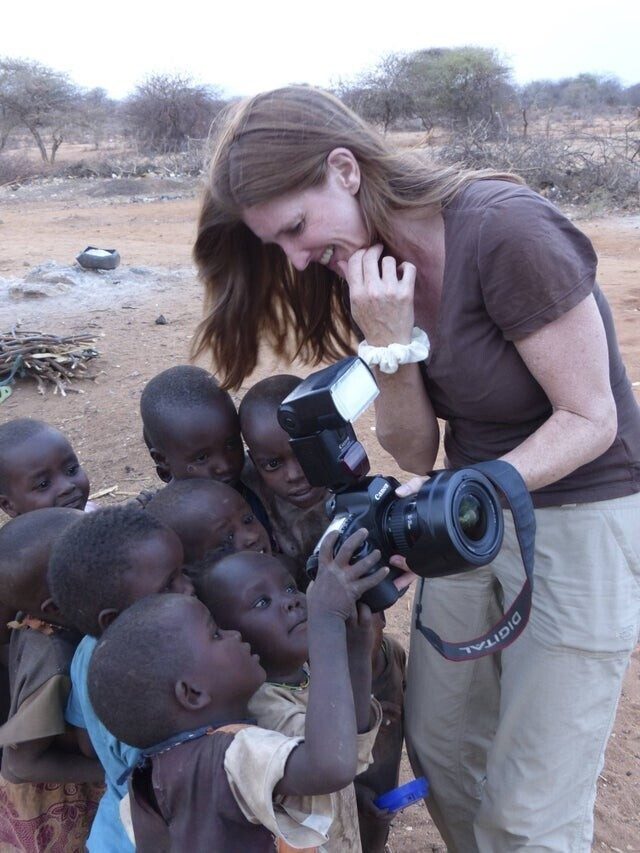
<point x="44" y="472"/>
<point x="157" y="567"/>
<point x="205" y="442"/>
<point x="234" y="527"/>
<point x="277" y="465"/>
<point x="259" y="597"/>
<point x="223" y="663"/>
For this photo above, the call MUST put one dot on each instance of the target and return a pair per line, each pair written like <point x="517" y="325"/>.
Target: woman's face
<point x="322" y="224"/>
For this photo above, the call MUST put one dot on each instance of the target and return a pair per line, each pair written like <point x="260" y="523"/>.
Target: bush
<point x="17" y="168"/>
<point x="581" y="169"/>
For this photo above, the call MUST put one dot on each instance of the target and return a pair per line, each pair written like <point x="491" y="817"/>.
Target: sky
<point x="246" y="47"/>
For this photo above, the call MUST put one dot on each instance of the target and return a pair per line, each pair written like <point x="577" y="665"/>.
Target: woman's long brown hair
<point x="272" y="144"/>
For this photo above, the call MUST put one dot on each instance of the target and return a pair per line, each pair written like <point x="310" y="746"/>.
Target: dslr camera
<point x="452" y="524"/>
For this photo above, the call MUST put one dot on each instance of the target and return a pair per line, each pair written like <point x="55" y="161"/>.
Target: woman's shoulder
<point x="495" y="213"/>
<point x="484" y="192"/>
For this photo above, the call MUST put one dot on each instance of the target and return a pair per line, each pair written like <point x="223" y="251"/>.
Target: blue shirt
<point x="107" y="832"/>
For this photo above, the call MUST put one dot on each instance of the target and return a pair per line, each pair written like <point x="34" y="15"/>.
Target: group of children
<point x="171" y="685"/>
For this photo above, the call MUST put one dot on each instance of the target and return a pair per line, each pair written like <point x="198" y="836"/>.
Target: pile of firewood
<point x="46" y="358"/>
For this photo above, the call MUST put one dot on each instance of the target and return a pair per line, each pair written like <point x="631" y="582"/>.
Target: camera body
<point x="364" y="505"/>
<point x="452" y="524"/>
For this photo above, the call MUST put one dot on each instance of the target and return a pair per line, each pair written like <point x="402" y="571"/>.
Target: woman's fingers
<point x="381" y="295"/>
<point x="411" y="487"/>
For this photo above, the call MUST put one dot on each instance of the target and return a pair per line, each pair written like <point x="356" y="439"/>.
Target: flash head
<point x="318" y="414"/>
<point x="329" y="398"/>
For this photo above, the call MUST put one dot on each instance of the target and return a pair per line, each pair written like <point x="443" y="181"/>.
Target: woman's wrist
<point x="389" y="358"/>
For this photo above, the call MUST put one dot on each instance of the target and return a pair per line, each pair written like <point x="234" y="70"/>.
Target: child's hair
<point x="266" y="395"/>
<point x="90" y="560"/>
<point x="24" y="545"/>
<point x="177" y="389"/>
<point x="138" y="660"/>
<point x="181" y="505"/>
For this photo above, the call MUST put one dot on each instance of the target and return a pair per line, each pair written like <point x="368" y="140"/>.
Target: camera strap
<point x="511" y="485"/>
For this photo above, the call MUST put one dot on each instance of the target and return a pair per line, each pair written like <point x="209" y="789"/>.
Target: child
<point x="208" y="516"/>
<point x="38" y="469"/>
<point x="255" y="595"/>
<point x="389" y="667"/>
<point x="191" y="429"/>
<point x="185" y="685"/>
<point x="295" y="508"/>
<point x="46" y="798"/>
<point x="98" y="568"/>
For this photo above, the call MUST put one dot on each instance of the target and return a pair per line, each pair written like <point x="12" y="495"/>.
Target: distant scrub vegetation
<point x="577" y="139"/>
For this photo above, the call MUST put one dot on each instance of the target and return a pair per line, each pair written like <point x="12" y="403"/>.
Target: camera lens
<point x="471" y="518"/>
<point x="453" y="523"/>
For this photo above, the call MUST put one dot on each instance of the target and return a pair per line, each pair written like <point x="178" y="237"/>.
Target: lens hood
<point x="455" y="524"/>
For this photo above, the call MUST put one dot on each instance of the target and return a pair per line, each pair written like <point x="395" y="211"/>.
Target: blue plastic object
<point x="405" y="795"/>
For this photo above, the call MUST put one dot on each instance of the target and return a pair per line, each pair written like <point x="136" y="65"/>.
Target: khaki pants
<point x="513" y="744"/>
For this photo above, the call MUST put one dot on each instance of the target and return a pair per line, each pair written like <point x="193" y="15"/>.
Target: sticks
<point x="46" y="358"/>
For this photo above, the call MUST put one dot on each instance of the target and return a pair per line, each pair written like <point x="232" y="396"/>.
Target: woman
<point x="524" y="366"/>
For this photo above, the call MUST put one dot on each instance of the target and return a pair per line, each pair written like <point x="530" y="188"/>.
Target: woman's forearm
<point x="406" y="425"/>
<point x="563" y="443"/>
<point x="569" y="359"/>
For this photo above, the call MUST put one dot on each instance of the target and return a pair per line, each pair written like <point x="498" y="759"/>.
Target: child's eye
<point x="291" y="588"/>
<point x="73" y="469"/>
<point x="201" y="458"/>
<point x="42" y="485"/>
<point x="271" y="465"/>
<point x="262" y="602"/>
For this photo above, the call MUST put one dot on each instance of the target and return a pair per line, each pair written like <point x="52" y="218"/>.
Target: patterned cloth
<point x="46" y="817"/>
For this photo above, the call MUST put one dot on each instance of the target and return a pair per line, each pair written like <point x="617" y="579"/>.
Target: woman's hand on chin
<point x="381" y="295"/>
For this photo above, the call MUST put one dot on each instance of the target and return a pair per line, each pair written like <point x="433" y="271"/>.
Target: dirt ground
<point x="151" y="222"/>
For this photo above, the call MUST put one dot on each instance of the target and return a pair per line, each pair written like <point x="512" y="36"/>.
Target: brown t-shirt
<point x="40" y="683"/>
<point x="514" y="263"/>
<point x="216" y="793"/>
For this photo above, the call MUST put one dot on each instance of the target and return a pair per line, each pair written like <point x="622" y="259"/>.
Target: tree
<point x="97" y="112"/>
<point x="462" y="85"/>
<point x="168" y="109"/>
<point x="380" y="96"/>
<point x="40" y="99"/>
<point x="590" y="91"/>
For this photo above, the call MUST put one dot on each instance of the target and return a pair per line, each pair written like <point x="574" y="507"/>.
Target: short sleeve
<point x="534" y="264"/>
<point x="40" y="715"/>
<point x="254" y="763"/>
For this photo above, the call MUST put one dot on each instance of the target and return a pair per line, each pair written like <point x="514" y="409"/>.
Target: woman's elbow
<point x="411" y="456"/>
<point x="607" y="425"/>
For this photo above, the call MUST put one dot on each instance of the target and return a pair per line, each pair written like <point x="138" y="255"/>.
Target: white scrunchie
<point x="390" y="358"/>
